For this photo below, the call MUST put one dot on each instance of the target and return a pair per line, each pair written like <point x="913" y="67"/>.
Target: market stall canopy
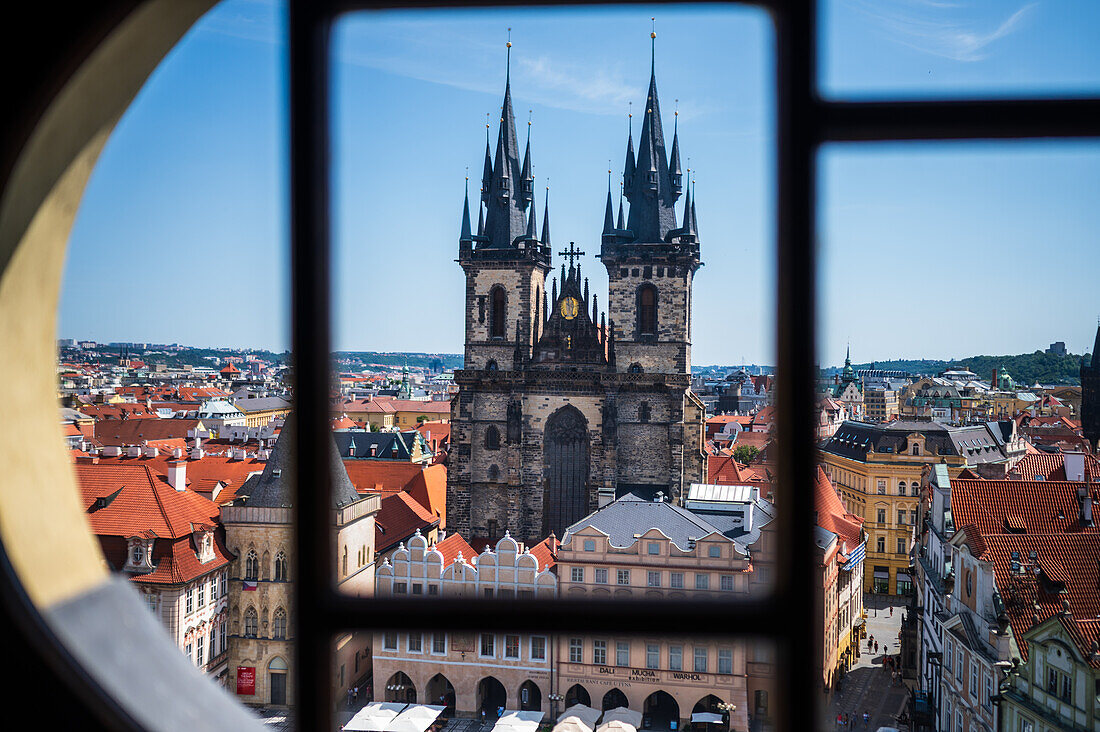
<point x="586" y="714"/>
<point x="375" y="717"/>
<point x="616" y="725"/>
<point x="415" y="718"/>
<point x="517" y="721"/>
<point x="573" y="724"/>
<point x="622" y="714"/>
<point x="707" y="717"/>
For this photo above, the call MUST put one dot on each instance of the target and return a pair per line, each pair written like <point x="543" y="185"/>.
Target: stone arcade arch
<point x="565" y="457"/>
<point x="614" y="698"/>
<point x="491" y="696"/>
<point x="660" y="710"/>
<point x="276" y="681"/>
<point x="577" y="694"/>
<point x="439" y="690"/>
<point x="530" y="696"/>
<point x="400" y="688"/>
<point x="710" y="704"/>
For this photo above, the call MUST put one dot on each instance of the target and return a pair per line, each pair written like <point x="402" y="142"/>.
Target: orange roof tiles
<point x="122" y="432"/>
<point x="373" y="476"/>
<point x="398" y="518"/>
<point x="725" y="470"/>
<point x="546" y="552"/>
<point x="1051" y="466"/>
<point x="451" y="546"/>
<point x="1037" y="507"/>
<point x="832" y="516"/>
<point x="429" y="488"/>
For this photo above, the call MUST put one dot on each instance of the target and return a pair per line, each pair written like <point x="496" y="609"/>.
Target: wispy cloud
<point x="943" y="28"/>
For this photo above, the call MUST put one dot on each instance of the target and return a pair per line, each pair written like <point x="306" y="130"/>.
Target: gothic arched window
<point x="281" y="574"/>
<point x="647" y="310"/>
<point x="252" y="566"/>
<point x="251" y="623"/>
<point x="497" y="310"/>
<point x="491" y="366"/>
<point x="279" y="626"/>
<point x="492" y="438"/>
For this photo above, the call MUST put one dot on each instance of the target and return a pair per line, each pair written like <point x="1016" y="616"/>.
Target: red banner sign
<point x="246" y="680"/>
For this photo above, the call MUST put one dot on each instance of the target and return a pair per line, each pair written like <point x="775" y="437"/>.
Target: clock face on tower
<point x="570" y="306"/>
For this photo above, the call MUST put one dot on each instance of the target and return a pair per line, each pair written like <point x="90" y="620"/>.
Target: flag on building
<point x="250" y="585"/>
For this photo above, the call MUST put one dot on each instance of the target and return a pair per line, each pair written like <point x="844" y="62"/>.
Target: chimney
<point x="177" y="453"/>
<point x="133" y="451"/>
<point x="177" y="474"/>
<point x="1084" y="502"/>
<point x="196" y="454"/>
<point x="151" y="451"/>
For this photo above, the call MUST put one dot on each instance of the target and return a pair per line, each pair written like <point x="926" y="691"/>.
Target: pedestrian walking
<point x="876" y="646"/>
<point x="866" y="718"/>
<point x="891" y="611"/>
<point x="355" y="695"/>
<point x="349" y="698"/>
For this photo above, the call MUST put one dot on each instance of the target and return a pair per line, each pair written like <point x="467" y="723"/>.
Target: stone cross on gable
<point x="571" y="253"/>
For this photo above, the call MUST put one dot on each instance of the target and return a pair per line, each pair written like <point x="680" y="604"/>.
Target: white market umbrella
<point x="583" y="712"/>
<point x="572" y="724"/>
<point x="518" y="721"/>
<point x="616" y="725"/>
<point x="707" y="717"/>
<point x="416" y="718"/>
<point x="622" y="714"/>
<point x="374" y="717"/>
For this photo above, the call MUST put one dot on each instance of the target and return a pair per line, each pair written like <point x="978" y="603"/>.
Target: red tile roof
<point x="398" y="518"/>
<point x="1039" y="507"/>
<point x="115" y="411"/>
<point x="122" y="432"/>
<point x="429" y="488"/>
<point x="1051" y="466"/>
<point x="546" y="552"/>
<point x="724" y="470"/>
<point x="412" y="405"/>
<point x="832" y="516"/>
<point x="376" y="476"/>
<point x="343" y="423"/>
<point x="451" y="546"/>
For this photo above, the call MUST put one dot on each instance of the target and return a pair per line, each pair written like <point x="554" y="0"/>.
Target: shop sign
<point x="246" y="680"/>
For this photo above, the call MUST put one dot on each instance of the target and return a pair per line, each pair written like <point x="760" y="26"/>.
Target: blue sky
<point x="928" y="250"/>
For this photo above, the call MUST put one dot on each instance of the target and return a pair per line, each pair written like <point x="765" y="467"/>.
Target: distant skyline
<point x="928" y="251"/>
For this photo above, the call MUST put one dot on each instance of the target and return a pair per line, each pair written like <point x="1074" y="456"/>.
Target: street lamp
<point x="554" y="699"/>
<point x="1008" y="669"/>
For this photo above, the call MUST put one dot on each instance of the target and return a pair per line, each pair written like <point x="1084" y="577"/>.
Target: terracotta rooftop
<point x="832" y="516"/>
<point x="399" y="517"/>
<point x="1051" y="466"/>
<point x="451" y="546"/>
<point x="1019" y="506"/>
<point x="546" y="552"/>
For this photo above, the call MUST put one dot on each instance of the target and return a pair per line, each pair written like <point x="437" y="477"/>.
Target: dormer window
<point x="677" y="180"/>
<point x="139" y="553"/>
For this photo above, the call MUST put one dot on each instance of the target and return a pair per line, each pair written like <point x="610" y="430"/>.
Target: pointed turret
<point x="620" y="222"/>
<point x="532" y="232"/>
<point x="688" y="228"/>
<point x="480" y="221"/>
<point x="650" y="188"/>
<point x="527" y="182"/>
<point x="694" y="221"/>
<point x="675" y="174"/>
<point x="631" y="158"/>
<point x="546" y="219"/>
<point x="555" y="298"/>
<point x="505" y="205"/>
<point x="466" y="235"/>
<point x="487" y="171"/>
<point x="609" y="213"/>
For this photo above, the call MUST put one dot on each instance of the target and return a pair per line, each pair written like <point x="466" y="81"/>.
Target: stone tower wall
<point x="670" y="350"/>
<point x="523" y="282"/>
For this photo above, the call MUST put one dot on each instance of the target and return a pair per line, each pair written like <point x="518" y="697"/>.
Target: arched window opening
<point x="491" y="366"/>
<point x="497" y="310"/>
<point x="279" y="626"/>
<point x="635" y="368"/>
<point x="492" y="438"/>
<point x="252" y="566"/>
<point x="345" y="562"/>
<point x="647" y="310"/>
<point x="281" y="573"/>
<point x="251" y="622"/>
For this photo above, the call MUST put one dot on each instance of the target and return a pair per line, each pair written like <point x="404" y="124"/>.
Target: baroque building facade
<point x="561" y="409"/>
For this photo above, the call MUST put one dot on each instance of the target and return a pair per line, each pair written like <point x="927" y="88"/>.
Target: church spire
<point x="532" y="232"/>
<point x="631" y="158"/>
<point x="650" y="192"/>
<point x="487" y="171"/>
<point x="505" y="205"/>
<point x="674" y="172"/>
<point x="466" y="236"/>
<point x="609" y="212"/>
<point x="688" y="228"/>
<point x="546" y="219"/>
<point x="527" y="182"/>
<point x="694" y="221"/>
<point x="620" y="223"/>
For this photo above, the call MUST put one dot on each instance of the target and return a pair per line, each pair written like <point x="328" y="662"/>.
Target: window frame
<point x="804" y="122"/>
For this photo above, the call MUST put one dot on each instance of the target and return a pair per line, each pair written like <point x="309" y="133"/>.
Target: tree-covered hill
<point x="1025" y="368"/>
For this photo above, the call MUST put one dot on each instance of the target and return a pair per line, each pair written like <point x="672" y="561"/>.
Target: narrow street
<point x="867" y="686"/>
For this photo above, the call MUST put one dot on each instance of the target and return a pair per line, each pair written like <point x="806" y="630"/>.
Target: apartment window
<point x="511" y="647"/>
<point x="1067" y="689"/>
<point x="880" y="545"/>
<point x="676" y="658"/>
<point x="959" y="668"/>
<point x="439" y="643"/>
<point x="601" y="576"/>
<point x="433" y="589"/>
<point x="416" y="643"/>
<point x="727" y="583"/>
<point x="279" y="624"/>
<point x="225" y="637"/>
<point x="201" y="599"/>
<point x="653" y="547"/>
<point x="599" y="652"/>
<point x="151" y="601"/>
<point x="213" y="642"/>
<point x="947" y="659"/>
<point x="400" y="588"/>
<point x="623" y="576"/>
<point x="902" y="548"/>
<point x="189" y="650"/>
<point x="577" y="574"/>
<point x="725" y="661"/>
<point x="389" y="641"/>
<point x="714" y="551"/>
<point x="224" y="585"/>
<point x="198" y="651"/>
<point x="973" y="680"/>
<point x="676" y="579"/>
<point x="913" y="518"/>
<point x="702" y="581"/>
<point x="882" y="487"/>
<point x="1026" y="726"/>
<point x="700" y="660"/>
<point x="653" y="579"/>
<point x="538" y="648"/>
<point x="652" y="655"/>
<point x="488" y="592"/>
<point x="213" y="589"/>
<point x="190" y="601"/>
<point x="488" y="645"/>
<point x="901" y="518"/>
<point x="590" y="545"/>
<point x="622" y="653"/>
<point x="418" y="589"/>
<point x="882" y="515"/>
<point x="576" y="650"/>
<point x="987" y="695"/>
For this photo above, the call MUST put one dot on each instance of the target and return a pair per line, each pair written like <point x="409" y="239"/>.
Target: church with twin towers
<point x="563" y="407"/>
